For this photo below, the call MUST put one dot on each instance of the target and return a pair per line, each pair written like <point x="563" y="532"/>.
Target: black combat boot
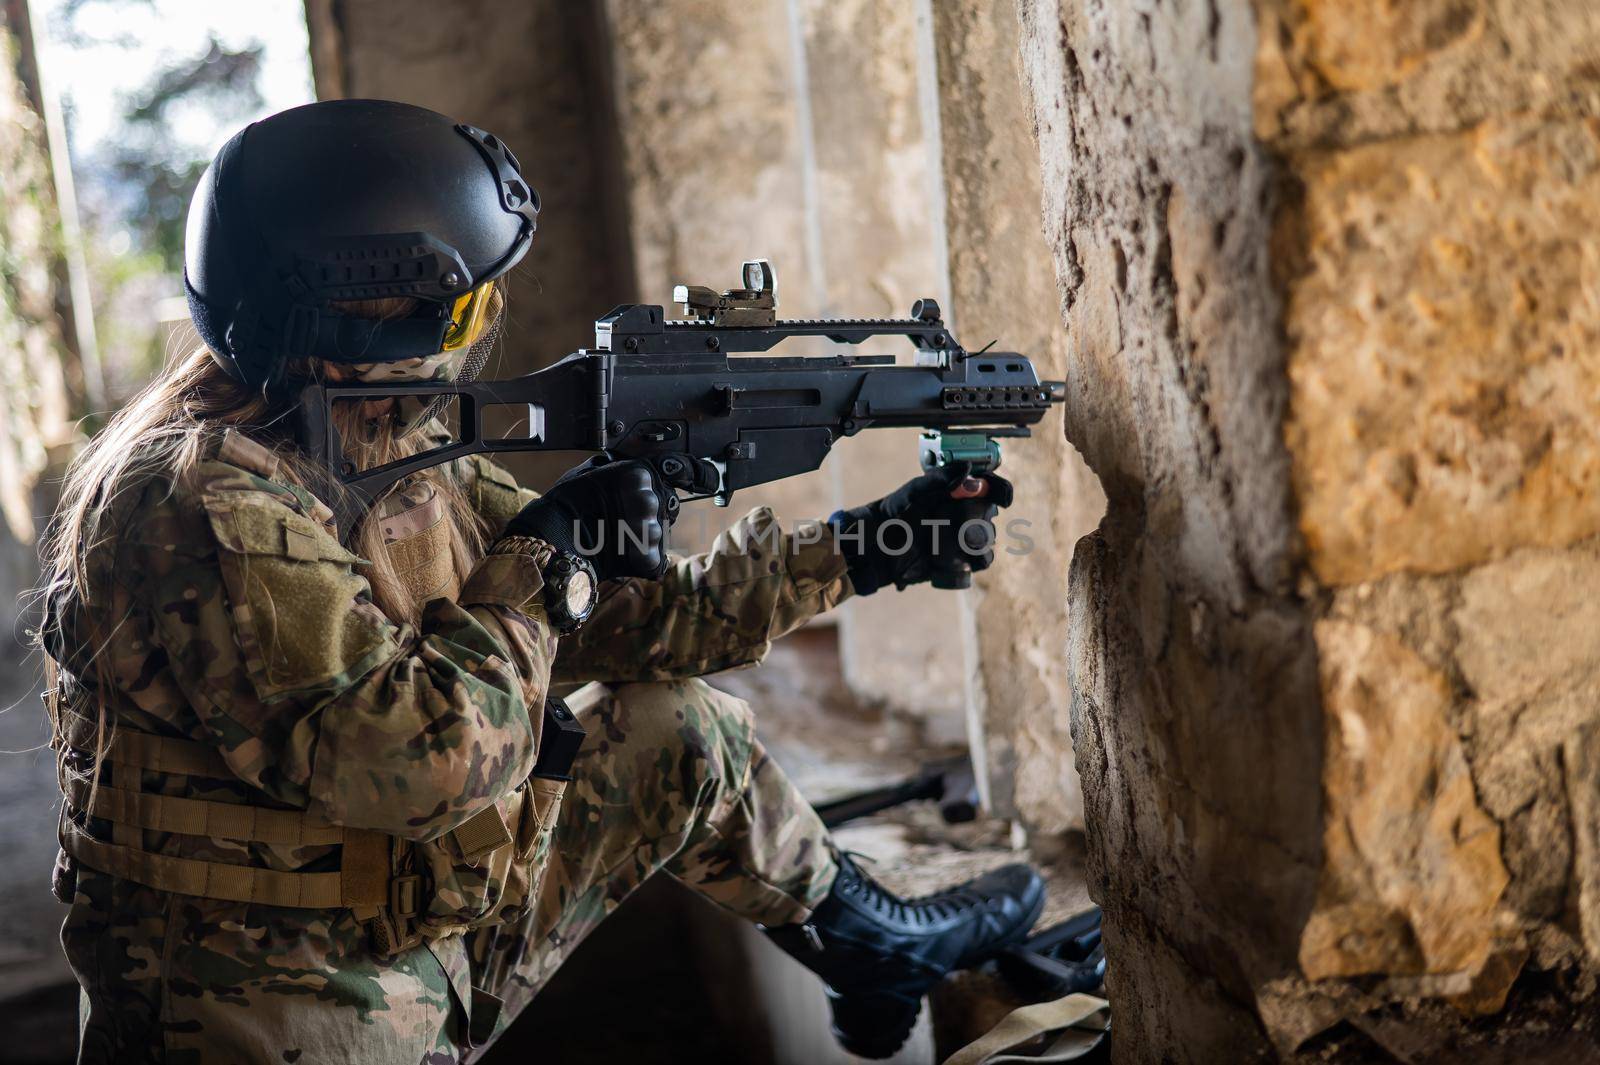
<point x="879" y="954"/>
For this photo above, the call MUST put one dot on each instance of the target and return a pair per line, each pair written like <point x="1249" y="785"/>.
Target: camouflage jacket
<point x="236" y="618"/>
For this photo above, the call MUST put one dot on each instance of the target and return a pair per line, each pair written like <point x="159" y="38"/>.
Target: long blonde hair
<point x="166" y="430"/>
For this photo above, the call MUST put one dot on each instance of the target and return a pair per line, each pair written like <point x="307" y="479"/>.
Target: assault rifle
<point x="661" y="391"/>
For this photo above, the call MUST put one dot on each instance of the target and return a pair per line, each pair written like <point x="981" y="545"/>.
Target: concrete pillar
<point x="1328" y="274"/>
<point x="1002" y="287"/>
<point x="879" y="220"/>
<point x="714" y="167"/>
<point x="792" y="129"/>
<point x="536" y="74"/>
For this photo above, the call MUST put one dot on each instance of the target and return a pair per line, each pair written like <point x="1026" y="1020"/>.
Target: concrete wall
<point x="671" y="141"/>
<point x="1328" y="276"/>
<point x="714" y="166"/>
<point x="536" y="74"/>
<point x="792" y="129"/>
<point x="1002" y="288"/>
<point x="1194" y="706"/>
<point x="878" y="225"/>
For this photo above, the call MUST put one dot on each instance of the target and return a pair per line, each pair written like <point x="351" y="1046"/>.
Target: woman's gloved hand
<point x="946" y="514"/>
<point x="615" y="514"/>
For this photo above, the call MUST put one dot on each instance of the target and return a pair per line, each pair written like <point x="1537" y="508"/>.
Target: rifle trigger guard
<point x="658" y="432"/>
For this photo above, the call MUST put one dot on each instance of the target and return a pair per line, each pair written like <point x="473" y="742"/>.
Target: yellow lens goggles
<point x="469" y="316"/>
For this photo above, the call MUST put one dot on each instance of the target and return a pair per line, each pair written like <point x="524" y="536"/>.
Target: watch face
<point x="570" y="590"/>
<point x="580" y="591"/>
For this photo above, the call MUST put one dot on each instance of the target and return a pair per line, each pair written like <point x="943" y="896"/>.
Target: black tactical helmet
<point x="348" y="200"/>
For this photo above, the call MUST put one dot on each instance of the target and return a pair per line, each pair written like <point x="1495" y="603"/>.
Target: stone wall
<point x="1440" y="264"/>
<point x="1329" y="290"/>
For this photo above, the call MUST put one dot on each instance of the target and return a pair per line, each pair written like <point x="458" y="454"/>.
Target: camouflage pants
<point x="671" y="778"/>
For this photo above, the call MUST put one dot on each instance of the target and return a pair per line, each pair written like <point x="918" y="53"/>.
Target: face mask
<point x="464" y="363"/>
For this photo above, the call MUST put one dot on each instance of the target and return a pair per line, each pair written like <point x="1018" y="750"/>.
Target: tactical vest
<point x="483" y="872"/>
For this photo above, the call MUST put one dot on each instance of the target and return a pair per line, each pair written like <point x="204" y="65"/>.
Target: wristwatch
<point x="570" y="585"/>
<point x="570" y="591"/>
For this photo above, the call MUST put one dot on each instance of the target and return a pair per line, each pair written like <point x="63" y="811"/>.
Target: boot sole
<point x="873" y="1026"/>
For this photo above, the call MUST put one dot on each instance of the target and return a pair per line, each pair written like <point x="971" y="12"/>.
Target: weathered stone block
<point x="1344" y="72"/>
<point x="1443" y="321"/>
<point x="1528" y="625"/>
<point x="1412" y="871"/>
<point x="1330" y="649"/>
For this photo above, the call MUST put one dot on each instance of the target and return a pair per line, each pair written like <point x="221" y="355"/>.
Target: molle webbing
<point x="197" y="817"/>
<point x="143" y="750"/>
<point x="215" y="880"/>
<point x="363" y="881"/>
<point x="367" y="881"/>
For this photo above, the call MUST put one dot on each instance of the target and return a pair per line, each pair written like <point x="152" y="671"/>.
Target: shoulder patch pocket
<point x="302" y="615"/>
<point x="255" y="523"/>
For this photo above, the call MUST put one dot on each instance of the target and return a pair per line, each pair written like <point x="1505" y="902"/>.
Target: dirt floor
<point x="669" y="978"/>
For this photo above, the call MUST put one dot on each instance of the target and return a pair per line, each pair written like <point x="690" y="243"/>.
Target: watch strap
<point x="508" y="577"/>
<point x="526" y="545"/>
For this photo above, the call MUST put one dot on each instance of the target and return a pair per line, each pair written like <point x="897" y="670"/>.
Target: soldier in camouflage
<point x="301" y="821"/>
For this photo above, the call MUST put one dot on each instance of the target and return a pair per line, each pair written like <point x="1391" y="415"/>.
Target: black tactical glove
<point x="904" y="537"/>
<point x="615" y="514"/>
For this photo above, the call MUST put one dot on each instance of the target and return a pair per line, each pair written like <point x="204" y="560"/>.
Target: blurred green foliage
<point x="155" y="164"/>
<point x="134" y="185"/>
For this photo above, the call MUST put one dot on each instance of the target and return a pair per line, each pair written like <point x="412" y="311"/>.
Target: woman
<point x="313" y="810"/>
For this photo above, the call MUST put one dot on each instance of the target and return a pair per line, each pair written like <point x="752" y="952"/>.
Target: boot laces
<point x="939" y="905"/>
